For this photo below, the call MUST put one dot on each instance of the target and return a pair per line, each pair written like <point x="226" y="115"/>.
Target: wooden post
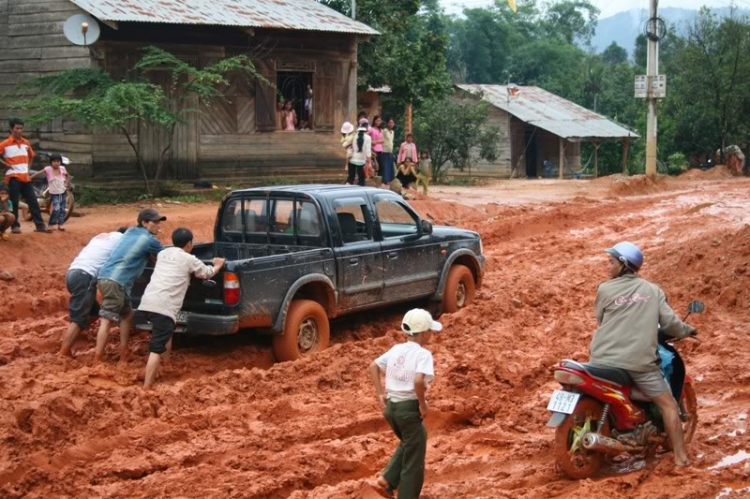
<point x="562" y="158"/>
<point x="596" y="159"/>
<point x="408" y="120"/>
<point x="625" y="147"/>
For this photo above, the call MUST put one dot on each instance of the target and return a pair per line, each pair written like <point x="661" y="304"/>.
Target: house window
<point x="295" y="93"/>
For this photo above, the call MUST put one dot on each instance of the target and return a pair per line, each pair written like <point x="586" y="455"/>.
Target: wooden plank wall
<point x="32" y="43"/>
<point x="501" y="166"/>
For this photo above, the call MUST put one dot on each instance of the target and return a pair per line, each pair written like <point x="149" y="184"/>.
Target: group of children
<point x="369" y="150"/>
<point x="17" y="156"/>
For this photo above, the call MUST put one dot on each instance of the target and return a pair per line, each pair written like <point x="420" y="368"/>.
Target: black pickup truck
<point x="301" y="255"/>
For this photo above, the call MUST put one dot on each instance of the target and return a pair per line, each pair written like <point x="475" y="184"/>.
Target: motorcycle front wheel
<point x="689" y="407"/>
<point x="570" y="455"/>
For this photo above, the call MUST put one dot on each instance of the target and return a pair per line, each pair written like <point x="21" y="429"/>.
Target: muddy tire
<point x="690" y="404"/>
<point x="459" y="289"/>
<point x="579" y="463"/>
<point x="306" y="331"/>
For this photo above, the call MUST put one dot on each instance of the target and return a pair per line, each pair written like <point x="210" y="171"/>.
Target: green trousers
<point x="405" y="471"/>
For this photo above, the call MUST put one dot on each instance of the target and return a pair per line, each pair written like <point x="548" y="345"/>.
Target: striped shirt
<point x="17" y="154"/>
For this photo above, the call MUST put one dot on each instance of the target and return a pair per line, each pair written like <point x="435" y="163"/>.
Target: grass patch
<point x="462" y="181"/>
<point x="93" y="196"/>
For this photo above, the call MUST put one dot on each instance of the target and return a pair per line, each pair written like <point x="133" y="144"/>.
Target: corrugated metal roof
<point x="277" y="14"/>
<point x="550" y="112"/>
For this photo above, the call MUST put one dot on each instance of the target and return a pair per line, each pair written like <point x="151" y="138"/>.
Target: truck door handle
<point x="354" y="261"/>
<point x="392" y="255"/>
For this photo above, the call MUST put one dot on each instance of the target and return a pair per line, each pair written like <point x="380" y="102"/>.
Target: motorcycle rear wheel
<point x="575" y="461"/>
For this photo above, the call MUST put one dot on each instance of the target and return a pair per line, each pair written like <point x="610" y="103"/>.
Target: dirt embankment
<point x="225" y="421"/>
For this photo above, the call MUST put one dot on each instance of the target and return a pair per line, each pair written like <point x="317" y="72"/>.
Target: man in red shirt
<point x="17" y="157"/>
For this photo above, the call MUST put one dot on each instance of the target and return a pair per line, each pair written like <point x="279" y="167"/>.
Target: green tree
<point x="455" y="133"/>
<point x="711" y="87"/>
<point x="410" y="53"/>
<point x="94" y="98"/>
<point x="614" y="55"/>
<point x="571" y="20"/>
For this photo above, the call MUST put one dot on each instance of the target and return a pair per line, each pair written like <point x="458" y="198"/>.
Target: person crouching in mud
<point x="408" y="371"/>
<point x="630" y="310"/>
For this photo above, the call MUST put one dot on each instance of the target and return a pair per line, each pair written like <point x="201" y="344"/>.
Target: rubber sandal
<point x="387" y="489"/>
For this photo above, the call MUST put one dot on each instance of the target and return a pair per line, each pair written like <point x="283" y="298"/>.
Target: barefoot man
<point x="123" y="267"/>
<point x="165" y="293"/>
<point x="81" y="283"/>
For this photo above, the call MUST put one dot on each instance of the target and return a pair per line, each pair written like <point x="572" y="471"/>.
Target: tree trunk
<point x="138" y="159"/>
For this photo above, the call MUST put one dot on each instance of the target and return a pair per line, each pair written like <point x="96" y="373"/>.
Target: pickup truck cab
<point x="299" y="256"/>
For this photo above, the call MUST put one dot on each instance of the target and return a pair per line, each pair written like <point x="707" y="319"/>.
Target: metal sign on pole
<point x="650" y="86"/>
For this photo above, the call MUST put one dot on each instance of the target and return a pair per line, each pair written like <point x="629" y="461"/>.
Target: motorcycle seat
<point x="613" y="375"/>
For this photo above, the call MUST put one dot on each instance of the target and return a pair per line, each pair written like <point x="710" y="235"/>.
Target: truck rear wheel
<point x="306" y="331"/>
<point x="459" y="289"/>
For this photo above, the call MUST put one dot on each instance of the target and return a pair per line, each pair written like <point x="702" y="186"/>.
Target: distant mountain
<point x="624" y="27"/>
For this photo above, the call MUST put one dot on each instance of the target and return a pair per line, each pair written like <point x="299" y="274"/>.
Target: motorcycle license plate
<point x="563" y="401"/>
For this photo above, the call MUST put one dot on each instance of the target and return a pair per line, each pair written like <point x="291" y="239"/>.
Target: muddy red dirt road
<point x="225" y="421"/>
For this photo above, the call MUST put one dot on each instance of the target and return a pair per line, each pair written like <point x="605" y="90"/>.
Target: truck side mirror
<point x="426" y="227"/>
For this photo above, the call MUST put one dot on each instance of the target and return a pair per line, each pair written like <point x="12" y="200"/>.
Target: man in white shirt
<point x="408" y="371"/>
<point x="81" y="283"/>
<point x="163" y="297"/>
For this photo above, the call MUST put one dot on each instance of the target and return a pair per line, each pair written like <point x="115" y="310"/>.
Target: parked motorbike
<point x="44" y="198"/>
<point x="599" y="413"/>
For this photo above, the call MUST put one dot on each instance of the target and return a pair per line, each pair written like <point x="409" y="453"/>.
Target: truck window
<point x="282" y="219"/>
<point x="256" y="215"/>
<point x="308" y="220"/>
<point x="395" y="220"/>
<point x="231" y="222"/>
<point x="354" y="224"/>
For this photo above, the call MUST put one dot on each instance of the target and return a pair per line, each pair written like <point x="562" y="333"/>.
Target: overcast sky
<point x="608" y="7"/>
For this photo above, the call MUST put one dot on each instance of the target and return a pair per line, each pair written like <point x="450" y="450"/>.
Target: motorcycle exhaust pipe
<point x="600" y="443"/>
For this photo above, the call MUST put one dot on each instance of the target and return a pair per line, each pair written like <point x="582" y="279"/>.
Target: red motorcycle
<point x="598" y="413"/>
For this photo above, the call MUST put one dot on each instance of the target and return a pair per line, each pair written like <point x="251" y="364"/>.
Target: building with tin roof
<point x="539" y="128"/>
<point x="306" y="52"/>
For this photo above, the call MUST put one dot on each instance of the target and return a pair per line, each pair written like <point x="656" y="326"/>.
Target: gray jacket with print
<point x="630" y="311"/>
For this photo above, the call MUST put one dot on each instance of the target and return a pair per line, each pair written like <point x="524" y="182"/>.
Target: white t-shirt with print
<point x="401" y="364"/>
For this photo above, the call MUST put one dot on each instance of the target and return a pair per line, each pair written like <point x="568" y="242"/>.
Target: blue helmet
<point x="627" y="253"/>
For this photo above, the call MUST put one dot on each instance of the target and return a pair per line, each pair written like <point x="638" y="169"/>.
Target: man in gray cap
<point x="124" y="265"/>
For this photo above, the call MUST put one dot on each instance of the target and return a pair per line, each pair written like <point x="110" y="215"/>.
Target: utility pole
<point x="652" y="71"/>
<point x="354" y="9"/>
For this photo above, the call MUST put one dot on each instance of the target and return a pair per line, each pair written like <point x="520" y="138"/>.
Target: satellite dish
<point x="82" y="29"/>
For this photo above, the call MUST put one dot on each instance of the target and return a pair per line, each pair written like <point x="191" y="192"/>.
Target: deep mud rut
<point x="225" y="421"/>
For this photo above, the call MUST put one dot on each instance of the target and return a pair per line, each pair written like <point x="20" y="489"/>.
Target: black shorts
<point x="83" y="305"/>
<point x="162" y="328"/>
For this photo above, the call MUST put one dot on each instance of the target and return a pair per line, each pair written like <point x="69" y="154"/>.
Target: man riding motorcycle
<point x="630" y="311"/>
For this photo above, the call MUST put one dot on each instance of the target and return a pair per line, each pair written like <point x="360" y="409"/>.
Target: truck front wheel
<point x="459" y="289"/>
<point x="306" y="331"/>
